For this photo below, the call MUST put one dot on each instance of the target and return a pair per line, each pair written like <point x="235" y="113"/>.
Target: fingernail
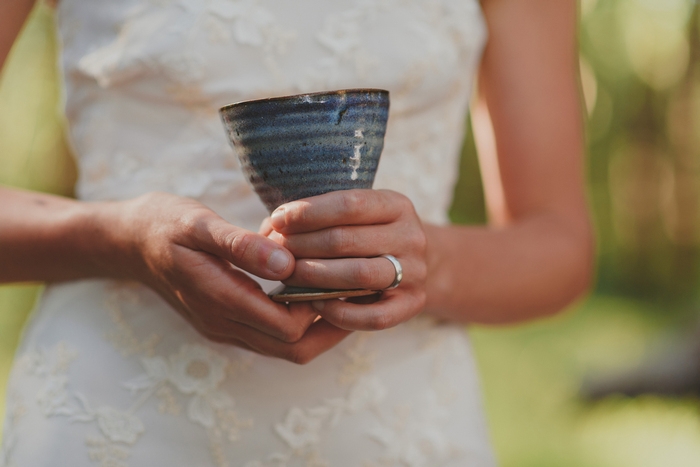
<point x="278" y="261"/>
<point x="318" y="305"/>
<point x="277" y="218"/>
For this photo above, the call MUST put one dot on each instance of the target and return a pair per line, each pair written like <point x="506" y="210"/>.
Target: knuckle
<point x="297" y="213"/>
<point x="239" y="244"/>
<point x="303" y="273"/>
<point x="379" y="321"/>
<point x="363" y="274"/>
<point x="416" y="240"/>
<point x="420" y="272"/>
<point x="152" y="198"/>
<point x="190" y="223"/>
<point x="239" y="288"/>
<point x="298" y="354"/>
<point x="420" y="299"/>
<point x="279" y="239"/>
<point x="340" y="240"/>
<point x="292" y="335"/>
<point x="304" y="358"/>
<point x="353" y="202"/>
<point x="397" y="201"/>
<point x="406" y="204"/>
<point x="340" y="317"/>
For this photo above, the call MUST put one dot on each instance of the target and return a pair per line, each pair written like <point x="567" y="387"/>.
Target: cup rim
<point x="310" y="94"/>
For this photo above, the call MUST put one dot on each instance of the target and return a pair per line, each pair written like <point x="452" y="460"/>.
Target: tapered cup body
<point x="306" y="145"/>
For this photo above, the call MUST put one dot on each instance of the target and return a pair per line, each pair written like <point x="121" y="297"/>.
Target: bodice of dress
<point x="145" y="78"/>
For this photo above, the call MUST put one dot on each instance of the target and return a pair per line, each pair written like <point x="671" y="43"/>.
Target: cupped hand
<point x="196" y="261"/>
<point x="337" y="239"/>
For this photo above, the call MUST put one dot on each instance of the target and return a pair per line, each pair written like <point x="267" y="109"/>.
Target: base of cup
<point x="290" y="294"/>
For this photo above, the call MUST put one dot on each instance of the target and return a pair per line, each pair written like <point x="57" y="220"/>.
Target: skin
<point x="534" y="260"/>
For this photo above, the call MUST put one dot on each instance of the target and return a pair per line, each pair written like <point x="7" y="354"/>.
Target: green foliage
<point x="640" y="76"/>
<point x="33" y="150"/>
<point x="468" y="203"/>
<point x="531" y="376"/>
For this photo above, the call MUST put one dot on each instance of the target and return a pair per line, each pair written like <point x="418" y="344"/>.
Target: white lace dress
<point x="108" y="375"/>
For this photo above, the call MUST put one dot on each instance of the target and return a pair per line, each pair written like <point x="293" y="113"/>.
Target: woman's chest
<point x="205" y="52"/>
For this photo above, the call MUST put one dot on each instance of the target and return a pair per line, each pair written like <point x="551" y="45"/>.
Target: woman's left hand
<point x="338" y="238"/>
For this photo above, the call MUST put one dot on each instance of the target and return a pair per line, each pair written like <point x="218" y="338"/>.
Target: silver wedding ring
<point x="397" y="268"/>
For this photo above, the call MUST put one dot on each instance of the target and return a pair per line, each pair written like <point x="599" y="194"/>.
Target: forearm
<point x="530" y="268"/>
<point x="50" y="238"/>
<point x="529" y="132"/>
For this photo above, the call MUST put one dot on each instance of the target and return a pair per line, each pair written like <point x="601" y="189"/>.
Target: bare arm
<point x="45" y="237"/>
<point x="541" y="257"/>
<point x="538" y="256"/>
<point x="50" y="238"/>
<point x="37" y="231"/>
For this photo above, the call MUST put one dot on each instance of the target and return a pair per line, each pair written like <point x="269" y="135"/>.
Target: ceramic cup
<point x="299" y="146"/>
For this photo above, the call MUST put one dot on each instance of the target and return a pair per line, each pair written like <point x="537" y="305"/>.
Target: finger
<point x="217" y="291"/>
<point x="346" y="207"/>
<point x="352" y="273"/>
<point x="320" y="337"/>
<point x="394" y="308"/>
<point x="223" y="330"/>
<point x="345" y="241"/>
<point x="265" y="227"/>
<point x="199" y="325"/>
<point x="301" y="315"/>
<point x="247" y="250"/>
<point x="252" y="307"/>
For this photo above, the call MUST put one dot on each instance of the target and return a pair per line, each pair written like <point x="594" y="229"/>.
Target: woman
<point x="108" y="374"/>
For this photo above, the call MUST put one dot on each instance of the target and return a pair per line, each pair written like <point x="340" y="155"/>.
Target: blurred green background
<point x="640" y="72"/>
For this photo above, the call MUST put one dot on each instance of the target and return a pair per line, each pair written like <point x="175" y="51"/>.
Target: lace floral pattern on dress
<point x="195" y="371"/>
<point x="163" y="39"/>
<point x="119" y="429"/>
<point x="194" y="381"/>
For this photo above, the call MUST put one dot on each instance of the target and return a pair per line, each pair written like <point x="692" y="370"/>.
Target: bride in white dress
<point x="151" y="347"/>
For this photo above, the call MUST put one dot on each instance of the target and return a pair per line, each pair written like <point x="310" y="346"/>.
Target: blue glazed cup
<point x="305" y="145"/>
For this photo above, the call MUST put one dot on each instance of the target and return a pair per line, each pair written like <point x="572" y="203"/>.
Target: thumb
<point x="247" y="250"/>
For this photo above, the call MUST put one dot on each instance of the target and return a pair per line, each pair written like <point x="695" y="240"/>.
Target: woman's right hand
<point x="195" y="260"/>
